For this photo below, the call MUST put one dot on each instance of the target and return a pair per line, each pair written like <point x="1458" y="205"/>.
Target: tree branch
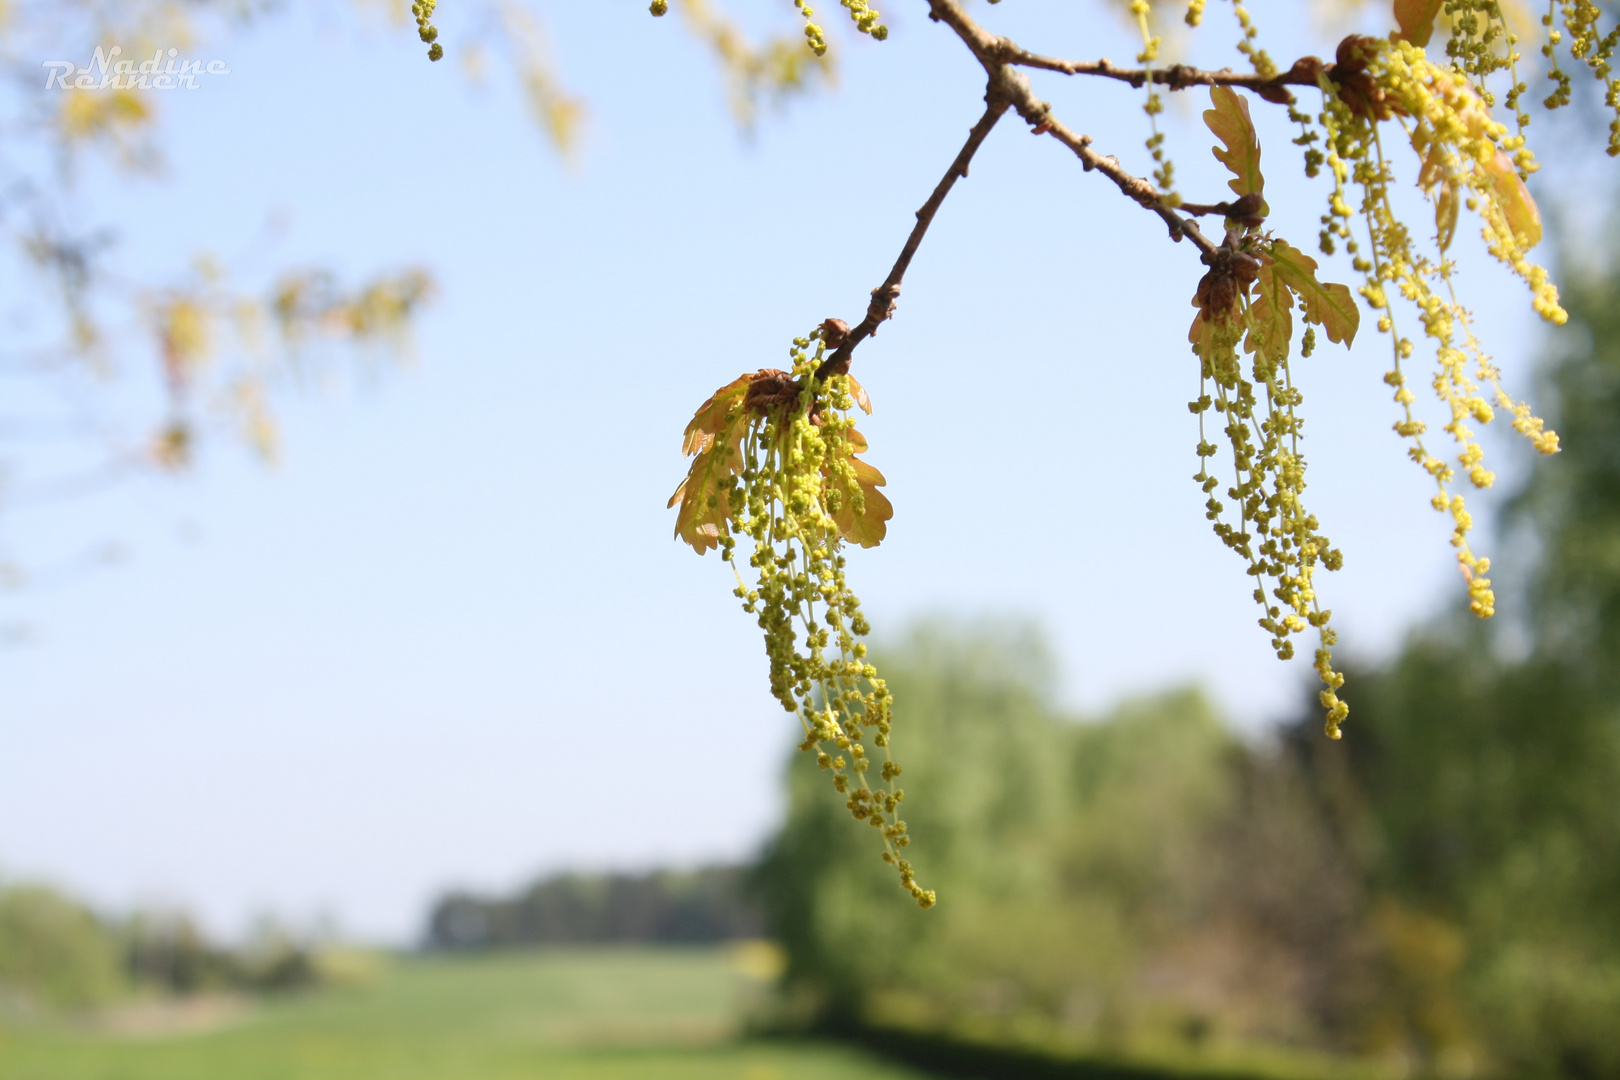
<point x="884" y="296"/>
<point x="1176" y="76"/>
<point x="990" y="51"/>
<point x="1009" y="88"/>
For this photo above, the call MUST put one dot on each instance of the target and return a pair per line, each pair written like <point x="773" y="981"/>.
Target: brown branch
<point x="1009" y="88"/>
<point x="884" y="296"/>
<point x="1011" y="84"/>
<point x="1176" y="76"/>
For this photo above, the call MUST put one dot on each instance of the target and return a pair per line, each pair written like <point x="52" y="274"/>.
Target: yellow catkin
<point x="1164" y="170"/>
<point x="795" y="475"/>
<point x="1466" y="156"/>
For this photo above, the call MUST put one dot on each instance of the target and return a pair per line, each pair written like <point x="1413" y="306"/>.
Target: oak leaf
<point x="1523" y="218"/>
<point x="1446" y="204"/>
<point x="867" y="527"/>
<point x="1329" y="306"/>
<point x="714" y="414"/>
<point x="858" y="392"/>
<point x="1416" y="19"/>
<point x="1229" y="120"/>
<point x="714" y="435"/>
<point x="1271" y="324"/>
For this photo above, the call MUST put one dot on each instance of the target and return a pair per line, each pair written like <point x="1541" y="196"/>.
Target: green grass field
<point x="635" y="1014"/>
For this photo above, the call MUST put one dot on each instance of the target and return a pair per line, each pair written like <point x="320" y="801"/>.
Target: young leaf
<point x="1445" y="215"/>
<point x="1523" y="218"/>
<point x="1230" y="122"/>
<point x="714" y="414"/>
<point x="699" y="521"/>
<point x="1201" y="333"/>
<point x="1329" y="306"/>
<point x="1271" y="326"/>
<point x="858" y="392"/>
<point x="1416" y="19"/>
<point x="866" y="528"/>
<point x="713" y="435"/>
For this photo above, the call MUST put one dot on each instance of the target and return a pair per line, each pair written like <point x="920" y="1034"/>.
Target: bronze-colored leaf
<point x="1229" y="120"/>
<point x="1435" y="162"/>
<point x="1523" y="218"/>
<point x="858" y="392"/>
<point x="1201" y="334"/>
<point x="1416" y="19"/>
<point x="866" y="528"/>
<point x="1330" y="306"/>
<point x="705" y="498"/>
<point x="1445" y="215"/>
<point x="713" y="415"/>
<point x="715" y="436"/>
<point x="1271" y="324"/>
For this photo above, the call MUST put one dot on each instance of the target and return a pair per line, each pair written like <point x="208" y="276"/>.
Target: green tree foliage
<point x="56" y="954"/>
<point x="704" y="905"/>
<point x="1485" y="786"/>
<point x="1439" y="890"/>
<point x="1139" y="883"/>
<point x="167" y="952"/>
<point x="53" y="951"/>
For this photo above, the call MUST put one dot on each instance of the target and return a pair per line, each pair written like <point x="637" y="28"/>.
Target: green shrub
<point x="53" y="951"/>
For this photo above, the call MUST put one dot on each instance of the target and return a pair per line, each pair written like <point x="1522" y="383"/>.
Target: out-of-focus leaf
<point x="1200" y="333"/>
<point x="1330" y="306"/>
<point x="1434" y="163"/>
<point x="1416" y="19"/>
<point x="858" y="392"/>
<point x="705" y="495"/>
<point x="868" y="527"/>
<point x="713" y="414"/>
<point x="705" y="498"/>
<point x="1445" y="215"/>
<point x="1523" y="218"/>
<point x="1230" y="122"/>
<point x="1271" y="326"/>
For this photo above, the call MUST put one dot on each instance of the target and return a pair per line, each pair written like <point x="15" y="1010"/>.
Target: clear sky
<point x="449" y="641"/>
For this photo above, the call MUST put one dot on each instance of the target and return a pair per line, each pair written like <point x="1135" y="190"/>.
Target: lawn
<point x="603" y="1014"/>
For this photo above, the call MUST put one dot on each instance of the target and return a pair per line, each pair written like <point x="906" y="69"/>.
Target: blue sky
<point x="449" y="639"/>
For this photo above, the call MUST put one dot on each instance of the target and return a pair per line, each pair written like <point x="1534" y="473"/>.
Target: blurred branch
<point x="1174" y="77"/>
<point x="779" y="68"/>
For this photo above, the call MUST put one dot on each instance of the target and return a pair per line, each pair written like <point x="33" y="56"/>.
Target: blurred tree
<point x="92" y="351"/>
<point x="54" y="952"/>
<point x="109" y="375"/>
<point x="703" y="905"/>
<point x="1483" y="779"/>
<point x="1138" y="884"/>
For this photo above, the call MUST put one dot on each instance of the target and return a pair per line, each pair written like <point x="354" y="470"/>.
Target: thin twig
<point x="1009" y="88"/>
<point x="884" y="296"/>
<point x="1174" y="77"/>
<point x="1012" y="84"/>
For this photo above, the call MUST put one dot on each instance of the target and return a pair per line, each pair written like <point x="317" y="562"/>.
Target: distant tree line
<point x="56" y="953"/>
<point x="706" y="905"/>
